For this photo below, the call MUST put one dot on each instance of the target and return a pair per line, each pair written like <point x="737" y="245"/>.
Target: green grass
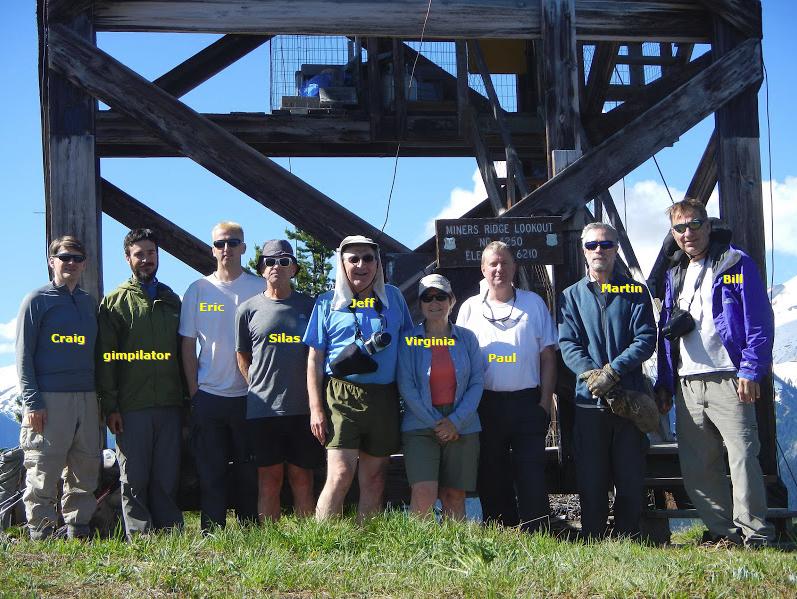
<point x="391" y="555"/>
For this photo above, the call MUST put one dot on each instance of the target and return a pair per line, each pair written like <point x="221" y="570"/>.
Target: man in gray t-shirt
<point x="273" y="360"/>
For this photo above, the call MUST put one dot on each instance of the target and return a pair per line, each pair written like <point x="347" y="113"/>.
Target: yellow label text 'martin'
<point x="627" y="288"/>
<point x="427" y="343"/>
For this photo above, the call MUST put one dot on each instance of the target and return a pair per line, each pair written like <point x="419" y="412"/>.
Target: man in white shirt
<point x="518" y="339"/>
<point x="217" y="389"/>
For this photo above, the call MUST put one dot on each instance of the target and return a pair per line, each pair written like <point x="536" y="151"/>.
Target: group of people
<point x="282" y="381"/>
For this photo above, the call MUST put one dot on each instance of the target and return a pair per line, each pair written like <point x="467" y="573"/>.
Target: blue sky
<point x="196" y="199"/>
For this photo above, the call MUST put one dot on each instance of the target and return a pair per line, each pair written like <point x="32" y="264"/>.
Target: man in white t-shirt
<point x="217" y="389"/>
<point x="518" y="339"/>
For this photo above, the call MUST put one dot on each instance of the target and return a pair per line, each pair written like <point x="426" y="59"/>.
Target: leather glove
<point x="590" y="376"/>
<point x="603" y="381"/>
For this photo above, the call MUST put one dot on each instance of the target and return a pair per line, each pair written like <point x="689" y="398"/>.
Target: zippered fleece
<point x="131" y="323"/>
<point x="741" y="311"/>
<point x="606" y="328"/>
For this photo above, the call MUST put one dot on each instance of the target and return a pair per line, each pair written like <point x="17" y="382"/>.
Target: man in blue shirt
<point x="56" y="334"/>
<point x="354" y="335"/>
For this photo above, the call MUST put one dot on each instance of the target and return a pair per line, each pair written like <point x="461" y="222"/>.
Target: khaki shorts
<point x="363" y="416"/>
<point x="453" y="464"/>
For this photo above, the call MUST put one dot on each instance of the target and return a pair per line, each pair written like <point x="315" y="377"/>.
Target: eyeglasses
<point x="367" y="259"/>
<point x="76" y="258"/>
<point x="439" y="297"/>
<point x="220" y="243"/>
<point x="284" y="261"/>
<point x="695" y="225"/>
<point x="604" y="245"/>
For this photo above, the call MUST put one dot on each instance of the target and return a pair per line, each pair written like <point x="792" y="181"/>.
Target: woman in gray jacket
<point x="440" y="378"/>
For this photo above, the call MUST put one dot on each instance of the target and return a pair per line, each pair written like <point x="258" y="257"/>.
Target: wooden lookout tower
<point x="571" y="94"/>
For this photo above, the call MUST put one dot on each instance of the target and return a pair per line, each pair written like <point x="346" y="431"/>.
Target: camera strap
<point x="358" y="333"/>
<point x="698" y="283"/>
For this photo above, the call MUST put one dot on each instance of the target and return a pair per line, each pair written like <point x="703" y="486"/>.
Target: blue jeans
<point x="218" y="437"/>
<point x="512" y="459"/>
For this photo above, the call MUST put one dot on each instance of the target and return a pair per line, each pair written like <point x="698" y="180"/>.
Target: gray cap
<point x="357" y="240"/>
<point x="434" y="282"/>
<point x="276" y="248"/>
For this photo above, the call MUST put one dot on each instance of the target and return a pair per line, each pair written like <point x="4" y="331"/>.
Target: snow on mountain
<point x="8" y="391"/>
<point x="784" y="305"/>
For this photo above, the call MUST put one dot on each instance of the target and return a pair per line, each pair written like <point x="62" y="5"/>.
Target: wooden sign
<point x="532" y="240"/>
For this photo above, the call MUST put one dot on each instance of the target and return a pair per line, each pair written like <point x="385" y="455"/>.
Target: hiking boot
<point x="41" y="533"/>
<point x="78" y="531"/>
<point x="757" y="542"/>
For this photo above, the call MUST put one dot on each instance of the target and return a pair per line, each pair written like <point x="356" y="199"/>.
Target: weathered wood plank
<point x="128" y="211"/>
<point x="600" y="75"/>
<point x="744" y="15"/>
<point x="705" y="178"/>
<point x="560" y="77"/>
<point x="514" y="166"/>
<point x="70" y="164"/>
<point x="601" y="126"/>
<point x="656" y="128"/>
<point x="286" y="135"/>
<point x="374" y="88"/>
<point x="208" y="62"/>
<point x="463" y="106"/>
<point x="636" y="69"/>
<point x="66" y="10"/>
<point x="399" y="89"/>
<point x="643" y="20"/>
<point x="206" y="143"/>
<point x="486" y="167"/>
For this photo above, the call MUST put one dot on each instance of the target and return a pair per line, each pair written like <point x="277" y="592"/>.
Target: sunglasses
<point x="220" y="243"/>
<point x="281" y="261"/>
<point x="367" y="259"/>
<point x="76" y="258"/>
<point x="439" y="297"/>
<point x="604" y="245"/>
<point x="695" y="225"/>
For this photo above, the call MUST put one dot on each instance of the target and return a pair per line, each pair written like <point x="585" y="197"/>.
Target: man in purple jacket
<point x="714" y="363"/>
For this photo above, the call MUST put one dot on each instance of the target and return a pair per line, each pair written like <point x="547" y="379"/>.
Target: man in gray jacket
<point x="606" y="332"/>
<point x="56" y="333"/>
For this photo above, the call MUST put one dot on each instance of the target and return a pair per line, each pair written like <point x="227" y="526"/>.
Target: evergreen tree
<point x="315" y="267"/>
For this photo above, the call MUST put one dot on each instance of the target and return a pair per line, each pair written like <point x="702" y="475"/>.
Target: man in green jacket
<point x="141" y="387"/>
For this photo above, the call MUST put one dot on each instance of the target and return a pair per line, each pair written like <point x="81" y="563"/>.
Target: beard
<point x="143" y="276"/>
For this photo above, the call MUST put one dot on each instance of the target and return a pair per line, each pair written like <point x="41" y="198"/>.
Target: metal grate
<point x="289" y="52"/>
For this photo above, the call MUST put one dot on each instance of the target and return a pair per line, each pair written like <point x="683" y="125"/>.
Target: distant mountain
<point x="9" y="427"/>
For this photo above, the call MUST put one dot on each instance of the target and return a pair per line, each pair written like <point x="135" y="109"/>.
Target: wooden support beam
<point x="463" y="105"/>
<point x="206" y="143"/>
<point x="514" y="165"/>
<point x="71" y="168"/>
<point x="602" y="126"/>
<point x="600" y="75"/>
<point x="128" y="211"/>
<point x="486" y="167"/>
<point x="705" y="178"/>
<point x="651" y="20"/>
<point x="560" y="77"/>
<point x="66" y="10"/>
<point x="340" y="135"/>
<point x="374" y="87"/>
<point x="208" y="62"/>
<point x="399" y="88"/>
<point x="636" y="69"/>
<point x="743" y="15"/>
<point x="656" y="128"/>
<point x="741" y="201"/>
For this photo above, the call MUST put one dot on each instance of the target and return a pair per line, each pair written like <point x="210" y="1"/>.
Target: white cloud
<point x="8" y="334"/>
<point x="459" y="202"/>
<point x="784" y="199"/>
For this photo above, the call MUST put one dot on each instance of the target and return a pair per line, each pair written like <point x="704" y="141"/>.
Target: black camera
<point x="680" y="323"/>
<point x="378" y="341"/>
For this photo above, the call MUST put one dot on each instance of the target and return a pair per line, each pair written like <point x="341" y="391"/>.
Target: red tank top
<point x="443" y="379"/>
